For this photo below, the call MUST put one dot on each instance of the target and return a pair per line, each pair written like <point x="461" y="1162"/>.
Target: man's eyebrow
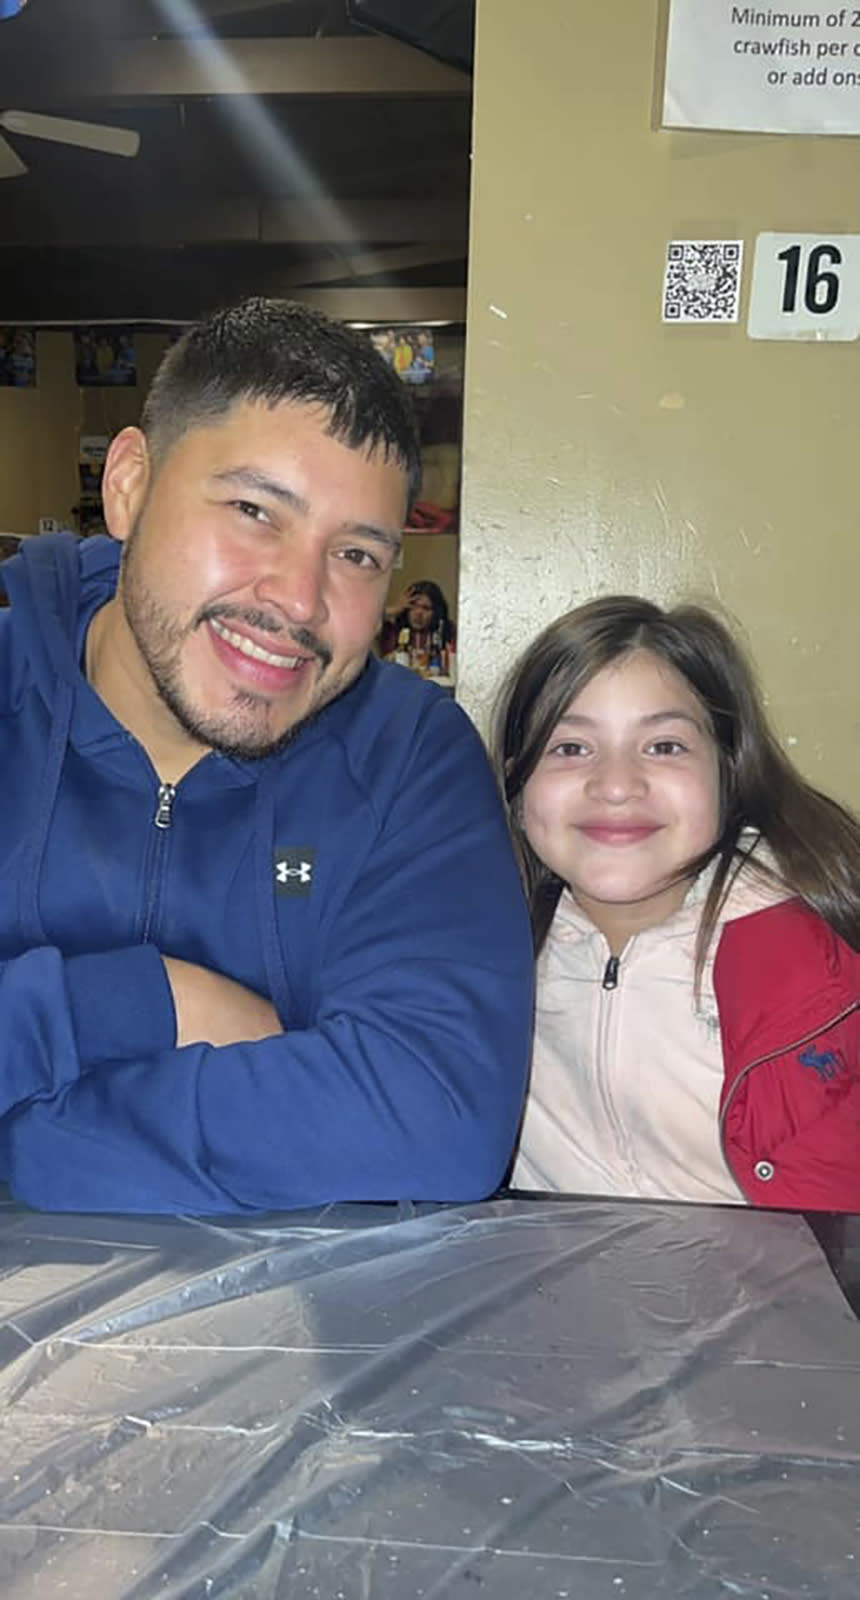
<point x="367" y="530"/>
<point x="261" y="483"/>
<point x="251" y="478"/>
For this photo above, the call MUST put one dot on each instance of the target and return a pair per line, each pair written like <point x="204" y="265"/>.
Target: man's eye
<point x="250" y="509"/>
<point x="361" y="558"/>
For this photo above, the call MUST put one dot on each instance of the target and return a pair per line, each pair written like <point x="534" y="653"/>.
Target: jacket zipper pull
<point x="164" y="810"/>
<point x="610" y="974"/>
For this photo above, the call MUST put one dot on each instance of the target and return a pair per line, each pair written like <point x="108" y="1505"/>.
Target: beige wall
<point x="606" y="452"/>
<point x="433" y="556"/>
<point x="40" y="429"/>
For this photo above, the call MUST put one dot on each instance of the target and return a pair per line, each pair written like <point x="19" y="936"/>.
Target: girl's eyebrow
<point x="575" y="719"/>
<point x="673" y="715"/>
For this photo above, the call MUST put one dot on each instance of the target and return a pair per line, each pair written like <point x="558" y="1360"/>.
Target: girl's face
<point x="420" y="612"/>
<point x="625" y="794"/>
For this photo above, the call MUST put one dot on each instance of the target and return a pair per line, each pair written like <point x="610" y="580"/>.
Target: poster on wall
<point x="410" y="351"/>
<point x="92" y="451"/>
<point x="104" y="358"/>
<point x="762" y="69"/>
<point x="17" y="358"/>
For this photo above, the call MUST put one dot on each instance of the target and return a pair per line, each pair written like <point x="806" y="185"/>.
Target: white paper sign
<point x="765" y="69"/>
<point x="805" y="286"/>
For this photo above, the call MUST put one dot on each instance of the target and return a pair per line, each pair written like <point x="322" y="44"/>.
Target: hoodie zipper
<point x="164" y="809"/>
<point x="796" y="1044"/>
<point x="162" y="821"/>
<point x="607" y="1005"/>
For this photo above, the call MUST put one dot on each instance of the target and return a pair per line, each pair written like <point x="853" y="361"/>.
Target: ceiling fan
<point x="58" y="130"/>
<point x="61" y="130"/>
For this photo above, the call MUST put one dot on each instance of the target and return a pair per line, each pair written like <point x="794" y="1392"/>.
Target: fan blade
<point x="61" y="130"/>
<point x="10" y="164"/>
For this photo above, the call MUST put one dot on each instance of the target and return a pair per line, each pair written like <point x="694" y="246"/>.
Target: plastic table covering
<point x="559" y="1400"/>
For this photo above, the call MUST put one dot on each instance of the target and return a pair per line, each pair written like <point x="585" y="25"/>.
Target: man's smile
<point x="248" y="647"/>
<point x="264" y="671"/>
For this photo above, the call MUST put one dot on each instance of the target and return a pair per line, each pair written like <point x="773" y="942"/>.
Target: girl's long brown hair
<point x="814" y="842"/>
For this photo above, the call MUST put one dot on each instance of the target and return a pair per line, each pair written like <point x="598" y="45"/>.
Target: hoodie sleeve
<point x="408" y="1084"/>
<point x="61" y="1016"/>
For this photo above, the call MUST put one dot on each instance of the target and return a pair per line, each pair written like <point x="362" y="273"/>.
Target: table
<point x="556" y="1400"/>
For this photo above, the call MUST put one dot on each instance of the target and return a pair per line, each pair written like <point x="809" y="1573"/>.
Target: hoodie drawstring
<point x="32" y="930"/>
<point x="264" y="842"/>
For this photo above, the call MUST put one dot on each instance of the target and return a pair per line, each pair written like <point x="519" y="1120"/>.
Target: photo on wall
<point x="410" y="351"/>
<point x="91" y="459"/>
<point x="104" y="358"/>
<point x="17" y="358"/>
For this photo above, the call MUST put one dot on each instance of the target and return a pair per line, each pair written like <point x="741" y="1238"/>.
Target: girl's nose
<point x="616" y="777"/>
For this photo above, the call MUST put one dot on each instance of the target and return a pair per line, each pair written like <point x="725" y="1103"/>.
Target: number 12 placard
<point x="805" y="286"/>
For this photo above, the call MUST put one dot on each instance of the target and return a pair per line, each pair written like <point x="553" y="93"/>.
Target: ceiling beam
<point x="358" y="222"/>
<point x="235" y="8"/>
<point x="87" y="221"/>
<point x="178" y="290"/>
<point x="387" y="305"/>
<point x="371" y="263"/>
<point x="177" y="69"/>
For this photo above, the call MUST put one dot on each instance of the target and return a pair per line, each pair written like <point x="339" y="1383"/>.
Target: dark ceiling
<point x="284" y="149"/>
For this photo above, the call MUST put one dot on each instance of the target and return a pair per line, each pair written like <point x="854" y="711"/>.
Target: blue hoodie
<point x="361" y="879"/>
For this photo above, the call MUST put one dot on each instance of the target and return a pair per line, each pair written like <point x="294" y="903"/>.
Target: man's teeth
<point x="248" y="648"/>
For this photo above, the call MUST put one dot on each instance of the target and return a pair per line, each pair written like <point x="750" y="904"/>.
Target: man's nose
<point x="295" y="583"/>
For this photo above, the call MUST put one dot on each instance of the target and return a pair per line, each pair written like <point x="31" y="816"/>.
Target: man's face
<point x="255" y="571"/>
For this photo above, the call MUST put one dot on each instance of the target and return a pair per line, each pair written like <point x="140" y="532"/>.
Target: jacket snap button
<point x="764" y="1170"/>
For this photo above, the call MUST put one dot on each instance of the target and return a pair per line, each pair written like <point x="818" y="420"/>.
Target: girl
<point x="696" y="913"/>
<point x="423" y="609"/>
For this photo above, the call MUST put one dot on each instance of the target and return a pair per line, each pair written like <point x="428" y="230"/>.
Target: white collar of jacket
<point x="749" y="891"/>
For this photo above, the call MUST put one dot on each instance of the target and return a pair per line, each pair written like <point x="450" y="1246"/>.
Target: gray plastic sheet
<point x="554" y="1399"/>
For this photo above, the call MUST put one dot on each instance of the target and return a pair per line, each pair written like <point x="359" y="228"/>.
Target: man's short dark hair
<point x="277" y="350"/>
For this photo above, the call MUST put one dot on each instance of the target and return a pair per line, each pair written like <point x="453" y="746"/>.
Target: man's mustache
<point x="264" y="623"/>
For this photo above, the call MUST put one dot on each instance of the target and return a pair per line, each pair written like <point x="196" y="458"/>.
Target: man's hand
<point x="211" y="1009"/>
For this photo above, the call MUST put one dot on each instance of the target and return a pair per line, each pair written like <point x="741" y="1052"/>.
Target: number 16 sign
<point x="805" y="286"/>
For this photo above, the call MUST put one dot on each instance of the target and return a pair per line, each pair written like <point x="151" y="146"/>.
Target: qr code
<point x="703" y="280"/>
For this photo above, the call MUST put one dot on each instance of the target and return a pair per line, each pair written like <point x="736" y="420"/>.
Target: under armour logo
<point x="294" y="871"/>
<point x="303" y="872"/>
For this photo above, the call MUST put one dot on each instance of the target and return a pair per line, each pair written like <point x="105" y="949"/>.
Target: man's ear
<point x="125" y="480"/>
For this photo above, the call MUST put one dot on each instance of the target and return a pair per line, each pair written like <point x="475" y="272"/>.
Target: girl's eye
<point x="667" y="747"/>
<point x="568" y="747"/>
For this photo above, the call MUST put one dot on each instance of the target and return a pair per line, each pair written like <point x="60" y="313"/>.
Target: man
<point x="261" y="939"/>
